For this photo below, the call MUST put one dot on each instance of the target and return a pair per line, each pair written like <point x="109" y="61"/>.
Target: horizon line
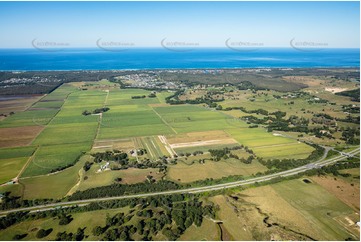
<point x="160" y="47"/>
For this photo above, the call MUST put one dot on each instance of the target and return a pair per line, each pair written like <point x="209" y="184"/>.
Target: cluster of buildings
<point x="25" y="80"/>
<point x="149" y="81"/>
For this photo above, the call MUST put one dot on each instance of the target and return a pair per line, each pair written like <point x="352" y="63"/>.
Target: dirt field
<point x="341" y="189"/>
<point x="204" y="143"/>
<point x="194" y="139"/>
<point x="19" y="136"/>
<point x="335" y="89"/>
<point x="19" y="104"/>
<point x="116" y="144"/>
<point x="197" y="137"/>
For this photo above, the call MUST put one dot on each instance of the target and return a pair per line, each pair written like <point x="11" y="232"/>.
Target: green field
<point x="190" y="118"/>
<point x="284" y="151"/>
<point x="69" y="133"/>
<point x="268" y="146"/>
<point x="48" y="158"/>
<point x="12" y="160"/>
<point x="29" y="118"/>
<point x="55" y="185"/>
<point x="10" y="168"/>
<point x="131" y="117"/>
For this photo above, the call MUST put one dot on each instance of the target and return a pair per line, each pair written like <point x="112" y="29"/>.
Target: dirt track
<point x="204" y="143"/>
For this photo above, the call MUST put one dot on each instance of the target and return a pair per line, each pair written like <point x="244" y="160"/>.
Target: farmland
<point x="136" y="120"/>
<point x="293" y="210"/>
<point x="186" y="173"/>
<point x="89" y="135"/>
<point x="316" y="205"/>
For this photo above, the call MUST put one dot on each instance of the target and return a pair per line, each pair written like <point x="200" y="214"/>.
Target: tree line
<point x="95" y="111"/>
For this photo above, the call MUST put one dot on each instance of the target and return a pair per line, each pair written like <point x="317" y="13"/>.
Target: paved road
<point x="321" y="162"/>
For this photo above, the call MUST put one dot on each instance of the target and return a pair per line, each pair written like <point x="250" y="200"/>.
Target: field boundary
<point x="165" y="122"/>
<point x="16" y="179"/>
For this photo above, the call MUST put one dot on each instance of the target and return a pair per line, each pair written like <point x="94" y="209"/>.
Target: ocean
<point x="161" y="58"/>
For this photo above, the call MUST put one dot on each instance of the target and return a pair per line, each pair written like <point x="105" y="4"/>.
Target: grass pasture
<point x="50" y="157"/>
<point x="208" y="231"/>
<point x="284" y="151"/>
<point x="279" y="210"/>
<point x="55" y="185"/>
<point x="266" y="145"/>
<point x="12" y="160"/>
<point x="342" y="188"/>
<point x="186" y="173"/>
<point x="15" y="190"/>
<point x="318" y="206"/>
<point x="230" y="220"/>
<point x="9" y="168"/>
<point x="129" y="176"/>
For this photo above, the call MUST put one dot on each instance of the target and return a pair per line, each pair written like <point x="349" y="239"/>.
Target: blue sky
<point x="209" y="24"/>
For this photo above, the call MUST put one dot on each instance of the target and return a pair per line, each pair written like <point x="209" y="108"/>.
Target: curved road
<point x="317" y="164"/>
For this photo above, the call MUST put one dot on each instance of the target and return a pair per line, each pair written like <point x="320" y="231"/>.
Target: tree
<point x="188" y="222"/>
<point x="65" y="219"/>
<point x="64" y="236"/>
<point x="87" y="165"/>
<point x="79" y="235"/>
<point x="97" y="230"/>
<point x="43" y="233"/>
<point x="86" y="113"/>
<point x="140" y="226"/>
<point x="19" y="236"/>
